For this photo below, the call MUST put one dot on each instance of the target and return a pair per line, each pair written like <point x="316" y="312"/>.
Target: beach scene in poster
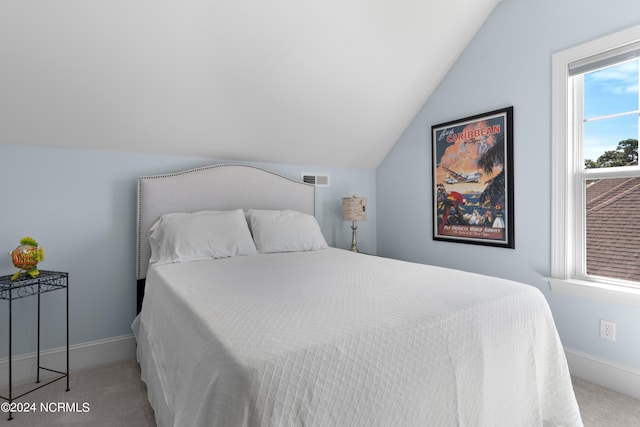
<point x="469" y="179"/>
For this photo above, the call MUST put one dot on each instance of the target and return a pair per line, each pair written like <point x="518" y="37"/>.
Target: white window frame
<point x="567" y="205"/>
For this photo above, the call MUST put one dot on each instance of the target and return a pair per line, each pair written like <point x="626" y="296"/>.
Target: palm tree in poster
<point x="493" y="193"/>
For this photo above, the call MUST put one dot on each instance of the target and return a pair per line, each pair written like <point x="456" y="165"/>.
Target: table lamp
<point x="354" y="209"/>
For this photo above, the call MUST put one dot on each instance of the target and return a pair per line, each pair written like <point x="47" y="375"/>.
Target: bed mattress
<point x="335" y="338"/>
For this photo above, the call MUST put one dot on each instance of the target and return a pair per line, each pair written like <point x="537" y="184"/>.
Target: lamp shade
<point x="354" y="208"/>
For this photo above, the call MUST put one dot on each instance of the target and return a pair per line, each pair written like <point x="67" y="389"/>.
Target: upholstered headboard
<point x="216" y="187"/>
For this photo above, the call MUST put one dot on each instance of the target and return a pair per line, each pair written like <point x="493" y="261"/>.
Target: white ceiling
<point x="330" y="83"/>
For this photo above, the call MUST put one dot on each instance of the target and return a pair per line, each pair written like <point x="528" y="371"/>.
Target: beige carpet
<point x="601" y="407"/>
<point x="115" y="394"/>
<point x="116" y="397"/>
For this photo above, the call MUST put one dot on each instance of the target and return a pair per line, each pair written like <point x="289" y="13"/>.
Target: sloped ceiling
<point x="329" y="82"/>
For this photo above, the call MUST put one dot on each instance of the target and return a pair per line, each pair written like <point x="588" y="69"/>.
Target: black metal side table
<point x="26" y="286"/>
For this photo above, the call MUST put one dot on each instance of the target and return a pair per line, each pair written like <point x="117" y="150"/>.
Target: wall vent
<point x="319" y="180"/>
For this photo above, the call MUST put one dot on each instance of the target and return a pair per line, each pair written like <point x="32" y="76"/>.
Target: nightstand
<point x="27" y="286"/>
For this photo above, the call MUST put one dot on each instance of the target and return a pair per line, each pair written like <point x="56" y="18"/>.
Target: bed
<point x="278" y="329"/>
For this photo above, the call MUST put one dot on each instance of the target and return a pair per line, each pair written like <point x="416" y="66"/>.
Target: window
<point x="596" y="177"/>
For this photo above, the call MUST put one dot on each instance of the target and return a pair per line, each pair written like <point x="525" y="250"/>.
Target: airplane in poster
<point x="456" y="178"/>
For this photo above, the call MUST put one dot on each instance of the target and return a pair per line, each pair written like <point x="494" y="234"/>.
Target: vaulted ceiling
<point x="329" y="82"/>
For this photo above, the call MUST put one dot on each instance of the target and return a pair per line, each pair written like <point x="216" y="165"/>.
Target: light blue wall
<point x="80" y="205"/>
<point x="507" y="63"/>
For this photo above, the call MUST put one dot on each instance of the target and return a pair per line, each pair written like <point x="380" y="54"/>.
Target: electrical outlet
<point x="608" y="330"/>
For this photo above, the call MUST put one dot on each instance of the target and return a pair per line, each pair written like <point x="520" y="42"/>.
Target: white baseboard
<point x="605" y="373"/>
<point x="81" y="356"/>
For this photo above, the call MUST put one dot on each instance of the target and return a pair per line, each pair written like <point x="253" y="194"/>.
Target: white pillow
<point x="285" y="231"/>
<point x="183" y="237"/>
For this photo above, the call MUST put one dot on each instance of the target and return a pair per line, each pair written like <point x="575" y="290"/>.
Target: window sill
<point x="598" y="291"/>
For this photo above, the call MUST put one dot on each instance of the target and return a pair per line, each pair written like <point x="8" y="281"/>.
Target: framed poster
<point x="473" y="179"/>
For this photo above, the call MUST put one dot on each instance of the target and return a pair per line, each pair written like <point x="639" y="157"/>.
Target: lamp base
<point x="354" y="245"/>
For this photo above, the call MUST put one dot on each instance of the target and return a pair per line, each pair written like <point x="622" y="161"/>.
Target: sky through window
<point x="610" y="91"/>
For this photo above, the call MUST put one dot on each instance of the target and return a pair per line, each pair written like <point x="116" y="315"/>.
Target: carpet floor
<point x="114" y="396"/>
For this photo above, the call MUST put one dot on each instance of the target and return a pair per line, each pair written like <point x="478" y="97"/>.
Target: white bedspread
<point x="333" y="338"/>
